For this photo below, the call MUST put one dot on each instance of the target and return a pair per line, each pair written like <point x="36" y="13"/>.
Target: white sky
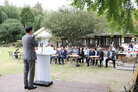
<point x="46" y="4"/>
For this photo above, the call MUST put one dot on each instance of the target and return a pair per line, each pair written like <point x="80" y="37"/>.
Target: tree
<point x="37" y="9"/>
<point x="8" y="11"/>
<point x="38" y="12"/>
<point x="11" y="30"/>
<point x="3" y="16"/>
<point x="136" y="20"/>
<point x="27" y="16"/>
<point x="118" y="12"/>
<point x="73" y="24"/>
<point x="37" y="22"/>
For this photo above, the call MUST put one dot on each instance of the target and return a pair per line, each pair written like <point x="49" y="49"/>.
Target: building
<point x="104" y="40"/>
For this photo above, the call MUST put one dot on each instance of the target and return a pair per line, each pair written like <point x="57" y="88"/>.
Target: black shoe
<point x="25" y="87"/>
<point x="33" y="87"/>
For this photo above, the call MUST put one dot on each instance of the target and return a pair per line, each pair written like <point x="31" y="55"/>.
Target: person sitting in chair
<point x="16" y="53"/>
<point x="110" y="56"/>
<point x="81" y="54"/>
<point x="63" y="54"/>
<point x="100" y="53"/>
<point x="91" y="53"/>
<point x="75" y="51"/>
<point x="54" y="57"/>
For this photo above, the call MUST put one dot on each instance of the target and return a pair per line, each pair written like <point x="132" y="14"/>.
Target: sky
<point x="46" y="4"/>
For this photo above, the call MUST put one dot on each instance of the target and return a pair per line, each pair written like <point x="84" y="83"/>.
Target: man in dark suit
<point x="91" y="53"/>
<point x="81" y="54"/>
<point x="29" y="57"/>
<point x="100" y="53"/>
<point x="63" y="54"/>
<point x="110" y="56"/>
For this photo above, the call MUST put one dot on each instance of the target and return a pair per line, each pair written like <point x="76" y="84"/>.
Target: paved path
<point x="14" y="83"/>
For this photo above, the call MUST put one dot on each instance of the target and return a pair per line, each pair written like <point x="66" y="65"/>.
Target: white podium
<point x="43" y="70"/>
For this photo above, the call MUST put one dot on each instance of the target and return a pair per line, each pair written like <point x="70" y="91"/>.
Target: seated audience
<point x="100" y="53"/>
<point x="67" y="49"/>
<point x="86" y="52"/>
<point x="110" y="56"/>
<point x="16" y="53"/>
<point x="91" y="53"/>
<point x="56" y="55"/>
<point x="81" y="54"/>
<point x="63" y="54"/>
<point x="70" y="50"/>
<point x="59" y="54"/>
<point x="75" y="51"/>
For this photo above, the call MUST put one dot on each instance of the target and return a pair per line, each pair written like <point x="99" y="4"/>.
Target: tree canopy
<point x="37" y="9"/>
<point x="8" y="11"/>
<point x="27" y="16"/>
<point x="37" y="22"/>
<point x="38" y="15"/>
<point x="73" y="24"/>
<point x="118" y="12"/>
<point x="11" y="30"/>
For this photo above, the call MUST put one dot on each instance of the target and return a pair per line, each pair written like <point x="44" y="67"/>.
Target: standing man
<point x="110" y="56"/>
<point x="29" y="57"/>
<point x="81" y="54"/>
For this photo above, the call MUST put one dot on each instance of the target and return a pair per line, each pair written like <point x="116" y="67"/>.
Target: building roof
<point x="43" y="32"/>
<point x="106" y="33"/>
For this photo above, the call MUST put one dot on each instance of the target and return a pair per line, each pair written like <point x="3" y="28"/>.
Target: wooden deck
<point x="14" y="83"/>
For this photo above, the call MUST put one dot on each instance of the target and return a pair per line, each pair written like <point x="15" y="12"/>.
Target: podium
<point x="43" y="70"/>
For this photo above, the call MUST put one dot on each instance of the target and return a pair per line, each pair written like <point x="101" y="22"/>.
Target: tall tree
<point x="37" y="22"/>
<point x="136" y="20"/>
<point x="11" y="30"/>
<point x="73" y="24"/>
<point x="27" y="16"/>
<point x="8" y="11"/>
<point x="37" y="9"/>
<point x="118" y="12"/>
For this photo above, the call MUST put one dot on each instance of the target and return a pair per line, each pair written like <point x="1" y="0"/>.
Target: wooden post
<point x="135" y="78"/>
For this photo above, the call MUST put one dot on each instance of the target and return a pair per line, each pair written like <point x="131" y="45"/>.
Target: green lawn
<point x="116" y="79"/>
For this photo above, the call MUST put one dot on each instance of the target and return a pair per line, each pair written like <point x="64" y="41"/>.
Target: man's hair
<point x="63" y="47"/>
<point x="28" y="29"/>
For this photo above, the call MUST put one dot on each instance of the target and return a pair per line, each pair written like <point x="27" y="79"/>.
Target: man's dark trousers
<point x="29" y="68"/>
<point x="112" y="60"/>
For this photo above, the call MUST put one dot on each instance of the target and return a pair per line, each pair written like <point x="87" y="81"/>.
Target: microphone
<point x="34" y="36"/>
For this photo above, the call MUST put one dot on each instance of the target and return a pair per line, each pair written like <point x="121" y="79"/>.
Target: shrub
<point x="1" y="43"/>
<point x="18" y="44"/>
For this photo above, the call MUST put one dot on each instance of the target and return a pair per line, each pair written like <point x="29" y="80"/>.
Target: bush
<point x="18" y="44"/>
<point x="11" y="30"/>
<point x="10" y="44"/>
<point x="1" y="43"/>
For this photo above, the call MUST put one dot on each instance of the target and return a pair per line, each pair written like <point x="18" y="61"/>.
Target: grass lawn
<point x="116" y="79"/>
